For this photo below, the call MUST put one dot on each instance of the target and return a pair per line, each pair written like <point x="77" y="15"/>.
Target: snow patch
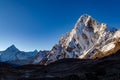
<point x="117" y="34"/>
<point x="108" y="47"/>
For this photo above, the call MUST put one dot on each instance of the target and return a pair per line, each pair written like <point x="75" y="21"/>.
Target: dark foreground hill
<point x="107" y="68"/>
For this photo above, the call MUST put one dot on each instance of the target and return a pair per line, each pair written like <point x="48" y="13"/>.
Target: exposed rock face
<point x="107" y="68"/>
<point x="39" y="56"/>
<point x="88" y="39"/>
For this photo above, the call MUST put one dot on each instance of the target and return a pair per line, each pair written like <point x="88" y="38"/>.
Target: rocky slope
<point x="40" y="55"/>
<point x="107" y="68"/>
<point x="88" y="39"/>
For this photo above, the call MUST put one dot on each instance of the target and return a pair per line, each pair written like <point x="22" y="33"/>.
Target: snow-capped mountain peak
<point x="12" y="48"/>
<point x="86" y="40"/>
<point x="83" y="18"/>
<point x="14" y="55"/>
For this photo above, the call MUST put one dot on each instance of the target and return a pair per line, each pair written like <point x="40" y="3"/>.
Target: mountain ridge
<point x="87" y="38"/>
<point x="14" y="56"/>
